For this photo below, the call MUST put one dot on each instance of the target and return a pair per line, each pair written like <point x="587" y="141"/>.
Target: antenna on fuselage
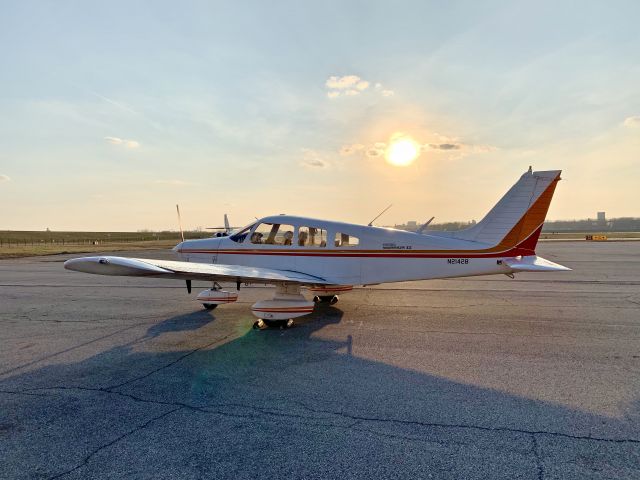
<point x="424" y="227"/>
<point x="180" y="222"/>
<point x="379" y="215"/>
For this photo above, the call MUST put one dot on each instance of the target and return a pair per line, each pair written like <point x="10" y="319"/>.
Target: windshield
<point x="242" y="233"/>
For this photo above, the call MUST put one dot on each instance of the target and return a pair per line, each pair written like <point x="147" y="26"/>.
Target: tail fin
<point x="516" y="220"/>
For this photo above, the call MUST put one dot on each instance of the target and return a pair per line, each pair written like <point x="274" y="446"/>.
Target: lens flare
<point x="402" y="151"/>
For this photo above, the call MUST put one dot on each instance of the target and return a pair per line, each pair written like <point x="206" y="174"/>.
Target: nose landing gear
<point x="330" y="299"/>
<point x="262" y="324"/>
<point x="287" y="304"/>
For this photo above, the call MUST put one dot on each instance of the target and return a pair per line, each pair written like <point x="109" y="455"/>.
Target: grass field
<point x="26" y="244"/>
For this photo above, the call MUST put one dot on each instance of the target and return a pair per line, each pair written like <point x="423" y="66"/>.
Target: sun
<point x="402" y="151"/>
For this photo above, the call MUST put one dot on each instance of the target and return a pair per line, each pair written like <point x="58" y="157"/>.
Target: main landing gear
<point x="215" y="296"/>
<point x="287" y="304"/>
<point x="330" y="299"/>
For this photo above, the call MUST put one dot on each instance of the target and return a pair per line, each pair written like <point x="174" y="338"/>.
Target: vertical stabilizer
<point x="516" y="220"/>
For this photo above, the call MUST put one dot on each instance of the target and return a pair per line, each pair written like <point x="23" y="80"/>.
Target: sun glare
<point x="402" y="151"/>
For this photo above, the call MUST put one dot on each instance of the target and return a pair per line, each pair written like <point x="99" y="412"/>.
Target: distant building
<point x="412" y="224"/>
<point x="602" y="218"/>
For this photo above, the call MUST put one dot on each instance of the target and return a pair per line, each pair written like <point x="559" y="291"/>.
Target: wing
<point x="144" y="267"/>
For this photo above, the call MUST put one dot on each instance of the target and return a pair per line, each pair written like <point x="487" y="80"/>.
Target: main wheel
<point x="259" y="324"/>
<point x="210" y="306"/>
<point x="325" y="299"/>
<point x="282" y="324"/>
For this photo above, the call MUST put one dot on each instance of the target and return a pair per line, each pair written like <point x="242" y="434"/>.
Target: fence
<point x="16" y="241"/>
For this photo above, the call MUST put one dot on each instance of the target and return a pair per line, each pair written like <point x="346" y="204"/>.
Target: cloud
<point x="443" y="145"/>
<point x="312" y="159"/>
<point x="5" y="178"/>
<point x="123" y="142"/>
<point x="341" y="83"/>
<point x="350" y="86"/>
<point x="385" y="92"/>
<point x="316" y="162"/>
<point x="462" y="149"/>
<point x="374" y="152"/>
<point x="632" y="121"/>
<point x="351" y="149"/>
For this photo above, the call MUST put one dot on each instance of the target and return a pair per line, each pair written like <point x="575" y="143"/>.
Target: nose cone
<point x="185" y="250"/>
<point x="178" y="250"/>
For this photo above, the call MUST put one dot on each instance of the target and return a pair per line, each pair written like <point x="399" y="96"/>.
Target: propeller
<point x="180" y="222"/>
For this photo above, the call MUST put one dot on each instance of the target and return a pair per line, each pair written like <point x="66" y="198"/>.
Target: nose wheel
<point x="330" y="299"/>
<point x="262" y="324"/>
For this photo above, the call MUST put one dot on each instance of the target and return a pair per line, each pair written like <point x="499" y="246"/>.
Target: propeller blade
<point x="180" y="225"/>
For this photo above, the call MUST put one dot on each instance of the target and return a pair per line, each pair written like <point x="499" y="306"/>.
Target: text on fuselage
<point x="458" y="260"/>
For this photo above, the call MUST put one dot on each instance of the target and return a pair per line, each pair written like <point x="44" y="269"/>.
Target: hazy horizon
<point x="113" y="113"/>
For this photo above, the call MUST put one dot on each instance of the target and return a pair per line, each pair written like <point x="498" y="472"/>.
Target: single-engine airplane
<point x="329" y="257"/>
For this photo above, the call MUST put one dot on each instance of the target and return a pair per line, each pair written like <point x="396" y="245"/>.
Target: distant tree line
<point x="622" y="224"/>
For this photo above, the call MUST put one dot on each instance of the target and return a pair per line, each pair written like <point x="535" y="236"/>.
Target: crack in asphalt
<point x="86" y="459"/>
<point x="321" y="415"/>
<point x="170" y="364"/>
<point x="66" y="350"/>
<point x="535" y="449"/>
<point x="214" y="408"/>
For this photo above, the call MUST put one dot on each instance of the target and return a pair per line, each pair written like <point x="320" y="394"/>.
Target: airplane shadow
<point x="182" y="323"/>
<point x="292" y="403"/>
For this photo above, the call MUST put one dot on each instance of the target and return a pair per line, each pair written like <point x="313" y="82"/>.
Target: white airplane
<point x="329" y="257"/>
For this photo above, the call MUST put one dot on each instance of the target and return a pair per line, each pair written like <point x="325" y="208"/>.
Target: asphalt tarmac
<point x="487" y="377"/>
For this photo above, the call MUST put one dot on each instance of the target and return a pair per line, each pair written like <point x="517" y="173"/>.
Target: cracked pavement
<point x="538" y="377"/>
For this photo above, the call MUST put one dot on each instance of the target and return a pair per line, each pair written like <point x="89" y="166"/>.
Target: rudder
<point x="516" y="220"/>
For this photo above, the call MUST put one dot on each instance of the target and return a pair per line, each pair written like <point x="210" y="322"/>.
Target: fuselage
<point x="349" y="254"/>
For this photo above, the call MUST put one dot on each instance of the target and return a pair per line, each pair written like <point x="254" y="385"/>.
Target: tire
<point x="210" y="306"/>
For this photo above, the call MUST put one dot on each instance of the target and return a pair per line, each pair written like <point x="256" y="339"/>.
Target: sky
<point x="114" y="112"/>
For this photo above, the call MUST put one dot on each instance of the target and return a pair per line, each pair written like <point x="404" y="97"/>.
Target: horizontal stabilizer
<point x="534" y="263"/>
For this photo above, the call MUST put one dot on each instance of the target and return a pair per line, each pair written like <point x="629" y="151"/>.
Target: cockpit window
<point x="272" y="234"/>
<point x="345" y="240"/>
<point x="241" y="234"/>
<point x="312" y="237"/>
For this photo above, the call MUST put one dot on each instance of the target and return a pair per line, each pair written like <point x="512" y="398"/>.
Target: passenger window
<point x="312" y="237"/>
<point x="272" y="234"/>
<point x="346" y="240"/>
